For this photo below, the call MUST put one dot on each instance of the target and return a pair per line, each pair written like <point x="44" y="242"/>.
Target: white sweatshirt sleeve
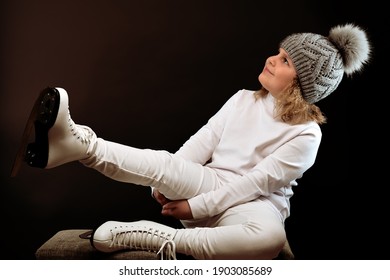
<point x="281" y="167"/>
<point x="200" y="146"/>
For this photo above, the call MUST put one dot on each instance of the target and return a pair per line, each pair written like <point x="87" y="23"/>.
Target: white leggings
<point x="252" y="230"/>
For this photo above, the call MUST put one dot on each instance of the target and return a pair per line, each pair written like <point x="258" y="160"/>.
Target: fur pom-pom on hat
<point x="321" y="61"/>
<point x="353" y="45"/>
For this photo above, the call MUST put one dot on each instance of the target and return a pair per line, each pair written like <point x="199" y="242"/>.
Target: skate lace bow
<point x="152" y="240"/>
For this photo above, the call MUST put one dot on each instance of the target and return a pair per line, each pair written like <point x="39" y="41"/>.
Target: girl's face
<point x="278" y="73"/>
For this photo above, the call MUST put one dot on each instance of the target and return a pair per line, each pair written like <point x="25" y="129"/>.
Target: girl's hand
<point x="160" y="198"/>
<point x="179" y="209"/>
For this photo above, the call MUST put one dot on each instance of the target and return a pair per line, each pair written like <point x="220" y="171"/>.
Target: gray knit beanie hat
<point x="321" y="61"/>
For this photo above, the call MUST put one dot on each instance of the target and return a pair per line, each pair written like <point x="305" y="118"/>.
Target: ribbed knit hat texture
<point x="321" y="61"/>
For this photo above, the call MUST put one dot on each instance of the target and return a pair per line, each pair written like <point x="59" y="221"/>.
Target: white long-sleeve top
<point x="255" y="154"/>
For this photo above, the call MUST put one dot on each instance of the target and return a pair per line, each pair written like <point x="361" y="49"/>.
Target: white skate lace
<point x="169" y="247"/>
<point x="83" y="133"/>
<point x="152" y="240"/>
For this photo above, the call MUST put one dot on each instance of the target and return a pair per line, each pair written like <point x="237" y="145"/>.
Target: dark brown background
<point x="149" y="74"/>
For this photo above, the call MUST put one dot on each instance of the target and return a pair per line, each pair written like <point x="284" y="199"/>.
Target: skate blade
<point x="35" y="115"/>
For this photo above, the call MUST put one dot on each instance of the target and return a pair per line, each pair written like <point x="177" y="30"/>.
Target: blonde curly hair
<point x="291" y="108"/>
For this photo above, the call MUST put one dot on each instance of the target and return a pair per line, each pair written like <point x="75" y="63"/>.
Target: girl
<point x="230" y="183"/>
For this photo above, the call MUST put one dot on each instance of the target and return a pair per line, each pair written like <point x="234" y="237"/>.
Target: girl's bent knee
<point x="268" y="245"/>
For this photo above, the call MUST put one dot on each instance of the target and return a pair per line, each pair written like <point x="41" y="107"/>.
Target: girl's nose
<point x="271" y="60"/>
